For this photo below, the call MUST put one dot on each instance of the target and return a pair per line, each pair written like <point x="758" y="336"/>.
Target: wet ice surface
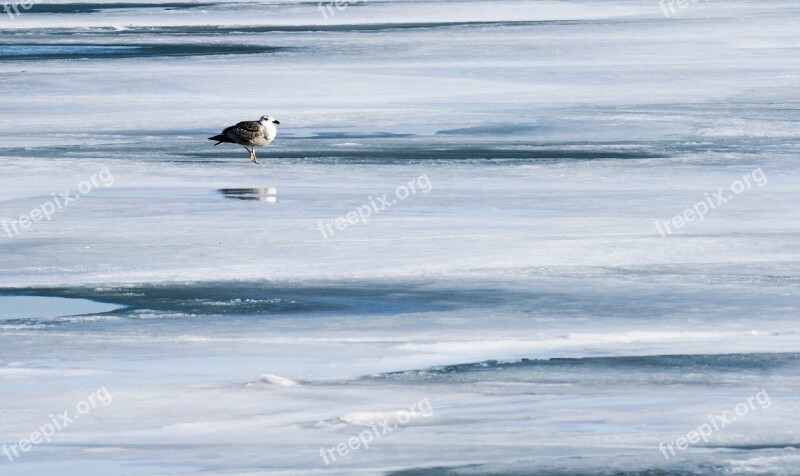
<point x="39" y="307"/>
<point x="527" y="295"/>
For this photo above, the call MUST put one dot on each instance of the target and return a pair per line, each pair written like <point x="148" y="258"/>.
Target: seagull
<point x="250" y="133"/>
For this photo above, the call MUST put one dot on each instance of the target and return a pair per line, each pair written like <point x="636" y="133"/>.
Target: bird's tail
<point x="220" y="139"/>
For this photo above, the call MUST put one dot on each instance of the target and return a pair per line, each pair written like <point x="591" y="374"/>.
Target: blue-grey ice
<point x="607" y="251"/>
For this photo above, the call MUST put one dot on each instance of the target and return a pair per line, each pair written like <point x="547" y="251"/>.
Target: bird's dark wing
<point x="247" y="130"/>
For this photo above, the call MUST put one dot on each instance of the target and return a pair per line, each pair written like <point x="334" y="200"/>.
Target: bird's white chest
<point x="270" y="131"/>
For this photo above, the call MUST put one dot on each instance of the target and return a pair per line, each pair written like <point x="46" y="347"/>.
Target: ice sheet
<point x="527" y="295"/>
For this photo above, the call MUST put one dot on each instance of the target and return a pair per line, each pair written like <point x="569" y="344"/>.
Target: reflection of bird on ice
<point x="250" y="134"/>
<point x="269" y="195"/>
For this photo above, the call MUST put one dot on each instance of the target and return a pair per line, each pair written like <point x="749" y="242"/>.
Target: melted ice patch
<point x="38" y="307"/>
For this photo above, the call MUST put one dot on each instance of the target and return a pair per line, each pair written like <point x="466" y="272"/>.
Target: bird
<point x="250" y="133"/>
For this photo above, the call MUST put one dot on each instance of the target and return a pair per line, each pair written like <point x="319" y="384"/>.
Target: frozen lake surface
<point x="520" y="298"/>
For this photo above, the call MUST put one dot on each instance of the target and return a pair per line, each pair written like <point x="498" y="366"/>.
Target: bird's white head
<point x="268" y="120"/>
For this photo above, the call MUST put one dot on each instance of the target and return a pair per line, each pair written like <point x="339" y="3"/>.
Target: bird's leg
<point x="253" y="158"/>
<point x="248" y="151"/>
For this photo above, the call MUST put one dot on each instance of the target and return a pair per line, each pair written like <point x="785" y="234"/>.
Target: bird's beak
<point x="276" y="122"/>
